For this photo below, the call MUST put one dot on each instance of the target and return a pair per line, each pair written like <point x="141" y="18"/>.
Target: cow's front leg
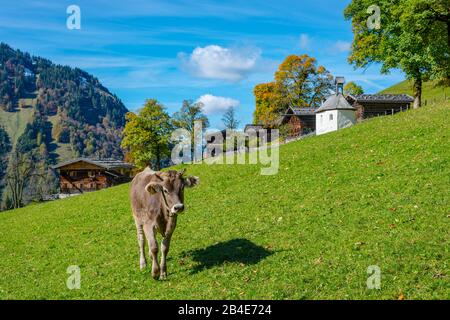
<point x="153" y="248"/>
<point x="165" y="244"/>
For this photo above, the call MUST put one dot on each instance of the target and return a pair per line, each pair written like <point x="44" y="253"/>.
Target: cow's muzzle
<point x="177" y="208"/>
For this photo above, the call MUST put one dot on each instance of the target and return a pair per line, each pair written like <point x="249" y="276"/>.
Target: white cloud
<point x="304" y="41"/>
<point x="343" y="46"/>
<point x="213" y="104"/>
<point x="215" y="62"/>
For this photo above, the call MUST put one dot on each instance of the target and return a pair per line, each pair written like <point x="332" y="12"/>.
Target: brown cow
<point x="156" y="200"/>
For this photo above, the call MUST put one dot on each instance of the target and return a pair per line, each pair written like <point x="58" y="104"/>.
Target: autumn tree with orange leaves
<point x="298" y="82"/>
<point x="268" y="104"/>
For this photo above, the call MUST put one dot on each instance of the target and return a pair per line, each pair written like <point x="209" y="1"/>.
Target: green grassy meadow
<point x="373" y="194"/>
<point x="432" y="92"/>
<point x="63" y="150"/>
<point x="15" y="122"/>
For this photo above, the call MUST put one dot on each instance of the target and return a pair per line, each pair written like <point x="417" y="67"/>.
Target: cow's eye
<point x="165" y="190"/>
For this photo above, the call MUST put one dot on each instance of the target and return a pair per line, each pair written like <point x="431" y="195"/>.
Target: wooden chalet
<point x="211" y="136"/>
<point x="373" y="105"/>
<point x="254" y="129"/>
<point x="299" y="120"/>
<point x="84" y="175"/>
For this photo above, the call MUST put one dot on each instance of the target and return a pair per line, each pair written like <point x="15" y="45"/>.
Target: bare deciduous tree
<point x="22" y="170"/>
<point x="229" y="119"/>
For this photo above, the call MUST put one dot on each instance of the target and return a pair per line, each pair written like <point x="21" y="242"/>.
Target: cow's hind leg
<point x="153" y="246"/>
<point x="141" y="242"/>
<point x="165" y="244"/>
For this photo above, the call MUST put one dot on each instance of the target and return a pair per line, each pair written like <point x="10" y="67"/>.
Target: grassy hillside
<point x="15" y="122"/>
<point x="373" y="194"/>
<point x="432" y="92"/>
<point x="63" y="150"/>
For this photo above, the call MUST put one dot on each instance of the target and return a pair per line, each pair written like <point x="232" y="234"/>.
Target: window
<point x="331" y="116"/>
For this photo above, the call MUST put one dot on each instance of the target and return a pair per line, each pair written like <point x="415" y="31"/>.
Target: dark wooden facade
<point x="373" y="105"/>
<point x="254" y="130"/>
<point x="85" y="175"/>
<point x="299" y="121"/>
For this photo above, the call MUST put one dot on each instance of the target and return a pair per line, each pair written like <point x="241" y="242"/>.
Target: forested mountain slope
<point x="50" y="112"/>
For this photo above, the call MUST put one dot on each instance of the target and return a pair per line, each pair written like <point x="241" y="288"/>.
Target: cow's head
<point x="170" y="185"/>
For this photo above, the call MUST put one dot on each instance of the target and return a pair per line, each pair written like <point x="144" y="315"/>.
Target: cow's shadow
<point x="240" y="251"/>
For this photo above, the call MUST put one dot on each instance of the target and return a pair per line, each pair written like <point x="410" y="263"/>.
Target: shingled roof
<point x="253" y="127"/>
<point x="297" y="111"/>
<point x="303" y="111"/>
<point x="108" y="164"/>
<point x="335" y="102"/>
<point x="382" y="98"/>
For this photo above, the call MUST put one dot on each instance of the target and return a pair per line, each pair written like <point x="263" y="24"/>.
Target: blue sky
<point x="211" y="51"/>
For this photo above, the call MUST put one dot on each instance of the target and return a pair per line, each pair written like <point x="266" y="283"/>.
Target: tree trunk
<point x="158" y="162"/>
<point x="158" y="159"/>
<point x="417" y="89"/>
<point x="448" y="33"/>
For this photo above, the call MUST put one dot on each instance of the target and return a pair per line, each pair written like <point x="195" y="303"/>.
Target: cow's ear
<point x="153" y="187"/>
<point x="192" y="181"/>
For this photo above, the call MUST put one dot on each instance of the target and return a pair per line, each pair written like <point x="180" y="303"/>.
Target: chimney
<point x="339" y="82"/>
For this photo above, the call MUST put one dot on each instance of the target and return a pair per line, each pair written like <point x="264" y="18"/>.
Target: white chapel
<point x="335" y="113"/>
